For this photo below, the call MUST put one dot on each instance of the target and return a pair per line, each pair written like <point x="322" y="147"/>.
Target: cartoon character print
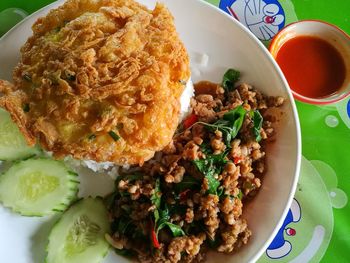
<point x="263" y="17"/>
<point x="280" y="247"/>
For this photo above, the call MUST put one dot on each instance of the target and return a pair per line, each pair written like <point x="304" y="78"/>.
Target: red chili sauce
<point x="312" y="66"/>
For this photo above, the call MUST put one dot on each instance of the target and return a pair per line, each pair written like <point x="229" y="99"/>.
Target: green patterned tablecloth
<point x="317" y="226"/>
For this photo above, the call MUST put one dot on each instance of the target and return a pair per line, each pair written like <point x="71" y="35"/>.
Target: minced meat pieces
<point x="190" y="197"/>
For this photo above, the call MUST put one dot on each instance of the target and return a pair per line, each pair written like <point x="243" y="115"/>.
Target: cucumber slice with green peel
<point x="12" y="143"/>
<point x="79" y="236"/>
<point x="38" y="187"/>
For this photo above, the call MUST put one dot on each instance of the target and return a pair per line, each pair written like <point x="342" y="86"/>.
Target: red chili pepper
<point x="155" y="240"/>
<point x="237" y="160"/>
<point x="183" y="194"/>
<point x="190" y="120"/>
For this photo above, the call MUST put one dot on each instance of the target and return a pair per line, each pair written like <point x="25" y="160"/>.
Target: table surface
<point x="316" y="228"/>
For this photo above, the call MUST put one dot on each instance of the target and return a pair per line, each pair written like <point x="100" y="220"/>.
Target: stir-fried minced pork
<point x="190" y="197"/>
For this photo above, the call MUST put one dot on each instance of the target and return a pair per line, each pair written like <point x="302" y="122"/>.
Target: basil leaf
<point x="240" y="195"/>
<point x="229" y="79"/>
<point x="210" y="166"/>
<point x="156" y="216"/>
<point x="223" y="126"/>
<point x="213" y="184"/>
<point x="219" y="161"/>
<point x="156" y="196"/>
<point x="206" y="148"/>
<point x="175" y="229"/>
<point x="236" y="118"/>
<point x="220" y="191"/>
<point x="188" y="182"/>
<point x="164" y="215"/>
<point x="203" y="165"/>
<point x="160" y="227"/>
<point x="229" y="125"/>
<point x="162" y="218"/>
<point x="257" y="121"/>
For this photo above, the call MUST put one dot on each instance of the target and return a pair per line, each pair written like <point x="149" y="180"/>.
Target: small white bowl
<point x="328" y="32"/>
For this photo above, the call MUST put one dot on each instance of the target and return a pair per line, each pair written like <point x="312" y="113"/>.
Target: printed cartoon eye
<point x="277" y="20"/>
<point x="290" y="231"/>
<point x="271" y="9"/>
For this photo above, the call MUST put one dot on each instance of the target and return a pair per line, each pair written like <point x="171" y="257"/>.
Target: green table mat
<point x="317" y="227"/>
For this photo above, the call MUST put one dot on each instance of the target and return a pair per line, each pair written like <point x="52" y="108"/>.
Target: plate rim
<point x="265" y="50"/>
<point x="280" y="74"/>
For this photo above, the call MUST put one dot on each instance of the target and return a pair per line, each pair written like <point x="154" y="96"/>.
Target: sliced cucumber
<point x="38" y="187"/>
<point x="12" y="143"/>
<point x="78" y="237"/>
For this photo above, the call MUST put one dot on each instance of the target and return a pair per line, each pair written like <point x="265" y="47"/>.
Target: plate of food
<point x="110" y="153"/>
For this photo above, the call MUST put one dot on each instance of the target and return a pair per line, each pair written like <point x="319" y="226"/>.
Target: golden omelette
<point x="100" y="80"/>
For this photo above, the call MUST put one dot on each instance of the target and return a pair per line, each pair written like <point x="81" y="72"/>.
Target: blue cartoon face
<point x="263" y="17"/>
<point x="280" y="247"/>
<point x="307" y="229"/>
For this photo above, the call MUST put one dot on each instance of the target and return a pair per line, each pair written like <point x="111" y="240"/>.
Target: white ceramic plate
<point x="204" y="30"/>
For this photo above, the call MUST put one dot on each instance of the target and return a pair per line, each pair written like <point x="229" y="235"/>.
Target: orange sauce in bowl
<point x="312" y="66"/>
